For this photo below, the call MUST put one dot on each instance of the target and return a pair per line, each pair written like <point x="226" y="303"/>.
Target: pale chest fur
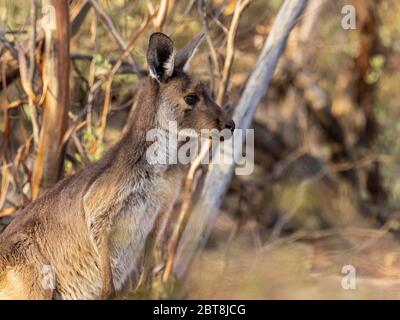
<point x="135" y="220"/>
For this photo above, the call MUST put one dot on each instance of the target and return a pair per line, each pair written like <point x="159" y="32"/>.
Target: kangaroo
<point x="90" y="228"/>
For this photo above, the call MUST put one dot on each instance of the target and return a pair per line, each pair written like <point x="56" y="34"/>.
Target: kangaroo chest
<point x="134" y="222"/>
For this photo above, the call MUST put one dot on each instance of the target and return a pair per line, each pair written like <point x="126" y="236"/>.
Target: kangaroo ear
<point x="160" y="56"/>
<point x="186" y="54"/>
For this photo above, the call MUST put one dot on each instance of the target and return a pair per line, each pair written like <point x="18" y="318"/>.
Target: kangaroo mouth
<point x="220" y="135"/>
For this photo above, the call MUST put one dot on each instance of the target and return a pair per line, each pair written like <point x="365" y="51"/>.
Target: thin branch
<point x="183" y="214"/>
<point x="24" y="74"/>
<point x="230" y="49"/>
<point x="213" y="52"/>
<point x="162" y="15"/>
<point x="32" y="70"/>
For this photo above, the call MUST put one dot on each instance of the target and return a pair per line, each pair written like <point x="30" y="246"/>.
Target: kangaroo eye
<point x="191" y="99"/>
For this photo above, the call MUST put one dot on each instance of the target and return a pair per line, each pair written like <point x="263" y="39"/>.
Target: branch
<point x="214" y="65"/>
<point x="162" y="14"/>
<point x="230" y="49"/>
<point x="32" y="72"/>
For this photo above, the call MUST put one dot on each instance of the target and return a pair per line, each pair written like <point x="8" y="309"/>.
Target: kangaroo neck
<point x="145" y="145"/>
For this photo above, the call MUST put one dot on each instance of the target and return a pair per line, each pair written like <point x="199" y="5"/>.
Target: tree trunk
<point x="56" y="66"/>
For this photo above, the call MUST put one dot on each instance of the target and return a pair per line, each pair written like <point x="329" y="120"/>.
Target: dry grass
<point x="290" y="268"/>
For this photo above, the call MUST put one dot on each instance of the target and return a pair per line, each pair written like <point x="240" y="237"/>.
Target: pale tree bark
<point x="218" y="177"/>
<point x="49" y="161"/>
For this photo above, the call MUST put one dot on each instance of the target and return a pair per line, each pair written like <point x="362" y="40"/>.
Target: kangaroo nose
<point x="230" y="125"/>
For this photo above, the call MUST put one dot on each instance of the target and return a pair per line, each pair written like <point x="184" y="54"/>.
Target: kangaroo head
<point x="180" y="97"/>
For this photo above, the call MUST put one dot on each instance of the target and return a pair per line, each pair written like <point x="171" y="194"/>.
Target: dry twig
<point x="230" y="49"/>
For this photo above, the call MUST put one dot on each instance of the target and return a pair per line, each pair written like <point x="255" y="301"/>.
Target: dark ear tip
<point x="159" y="36"/>
<point x="156" y="34"/>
